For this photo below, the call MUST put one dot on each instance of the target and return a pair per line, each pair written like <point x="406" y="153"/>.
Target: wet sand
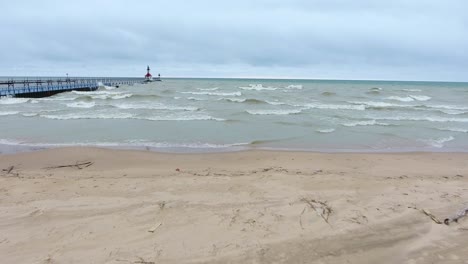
<point x="120" y="206"/>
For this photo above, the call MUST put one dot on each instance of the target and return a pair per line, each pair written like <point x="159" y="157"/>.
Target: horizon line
<point x="241" y="78"/>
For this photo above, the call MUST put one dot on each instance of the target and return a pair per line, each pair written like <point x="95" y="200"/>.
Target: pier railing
<point x="41" y="87"/>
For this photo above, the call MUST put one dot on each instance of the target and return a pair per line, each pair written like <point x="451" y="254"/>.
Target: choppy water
<point x="233" y="114"/>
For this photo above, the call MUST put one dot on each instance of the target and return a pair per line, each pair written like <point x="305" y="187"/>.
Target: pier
<point x="36" y="88"/>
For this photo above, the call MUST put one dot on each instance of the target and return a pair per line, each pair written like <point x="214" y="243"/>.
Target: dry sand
<point x="246" y="207"/>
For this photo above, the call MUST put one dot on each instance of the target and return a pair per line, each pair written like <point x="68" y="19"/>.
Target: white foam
<point x="411" y="90"/>
<point x="365" y="123"/>
<point x="454" y="129"/>
<point x="326" y="130"/>
<point x="294" y="86"/>
<point x="453" y="112"/>
<point x="129" y="143"/>
<point x="195" y="99"/>
<point x="258" y="87"/>
<point x="235" y="100"/>
<point x="274" y="112"/>
<point x="89" y="116"/>
<point x="82" y="105"/>
<point x="438" y="142"/>
<point x="181" y="118"/>
<point x="424" y="118"/>
<point x="372" y="104"/>
<point x="109" y="87"/>
<point x="121" y="96"/>
<point x="214" y="93"/>
<point x="12" y="100"/>
<point x="155" y="107"/>
<point x="334" y="107"/>
<point x="420" y="97"/>
<point x="275" y="103"/>
<point x="208" y="89"/>
<point x="401" y="99"/>
<point x="96" y="92"/>
<point x="449" y="107"/>
<point x="30" y="114"/>
<point x="9" y="113"/>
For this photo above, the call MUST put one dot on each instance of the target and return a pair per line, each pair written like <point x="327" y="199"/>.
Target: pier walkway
<point x="36" y="88"/>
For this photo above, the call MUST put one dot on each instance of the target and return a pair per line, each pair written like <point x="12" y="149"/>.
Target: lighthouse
<point x="148" y="76"/>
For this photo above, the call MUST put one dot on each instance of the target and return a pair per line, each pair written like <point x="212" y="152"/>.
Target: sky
<point x="311" y="39"/>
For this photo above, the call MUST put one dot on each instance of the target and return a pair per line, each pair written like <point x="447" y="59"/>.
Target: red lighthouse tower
<point x="148" y="76"/>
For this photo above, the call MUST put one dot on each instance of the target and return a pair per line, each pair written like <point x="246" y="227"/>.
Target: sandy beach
<point x="90" y="205"/>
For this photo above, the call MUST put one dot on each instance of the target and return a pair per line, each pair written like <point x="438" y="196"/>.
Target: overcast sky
<point x="317" y="39"/>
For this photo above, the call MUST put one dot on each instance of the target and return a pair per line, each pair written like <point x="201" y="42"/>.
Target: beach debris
<point x="9" y="169"/>
<point x="162" y="205"/>
<point x="143" y="261"/>
<point x="153" y="229"/>
<point x="321" y="208"/>
<point x="177" y="169"/>
<point x="460" y="214"/>
<point x="426" y="212"/>
<point x="433" y="217"/>
<point x="79" y="165"/>
<point x="300" y="217"/>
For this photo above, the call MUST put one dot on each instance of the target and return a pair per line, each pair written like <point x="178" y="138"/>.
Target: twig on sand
<point x="462" y="213"/>
<point x="78" y="165"/>
<point x="300" y="217"/>
<point x="9" y="169"/>
<point x="153" y="229"/>
<point x="433" y="217"/>
<point x="320" y="207"/>
<point x="426" y="212"/>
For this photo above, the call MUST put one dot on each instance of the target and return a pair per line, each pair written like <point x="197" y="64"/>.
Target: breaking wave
<point x="131" y="116"/>
<point x="411" y="90"/>
<point x="274" y="112"/>
<point x="437" y="142"/>
<point x="155" y="107"/>
<point x="127" y="144"/>
<point x="424" y="118"/>
<point x="294" y="86"/>
<point x="9" y="113"/>
<point x="214" y="93"/>
<point x="258" y="87"/>
<point x="81" y="105"/>
<point x="326" y="130"/>
<point x="12" y="100"/>
<point x="454" y="129"/>
<point x="365" y="123"/>
<point x="208" y="89"/>
<point x="401" y="99"/>
<point x="410" y="98"/>
<point x="333" y="107"/>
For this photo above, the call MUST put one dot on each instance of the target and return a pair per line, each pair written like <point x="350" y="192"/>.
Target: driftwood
<point x="153" y="229"/>
<point x="143" y="261"/>
<point x="8" y="171"/>
<point x="433" y="217"/>
<point x="426" y="212"/>
<point x="462" y="213"/>
<point x="80" y="166"/>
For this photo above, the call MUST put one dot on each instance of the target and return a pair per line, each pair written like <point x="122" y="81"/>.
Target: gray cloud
<point x="365" y="39"/>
